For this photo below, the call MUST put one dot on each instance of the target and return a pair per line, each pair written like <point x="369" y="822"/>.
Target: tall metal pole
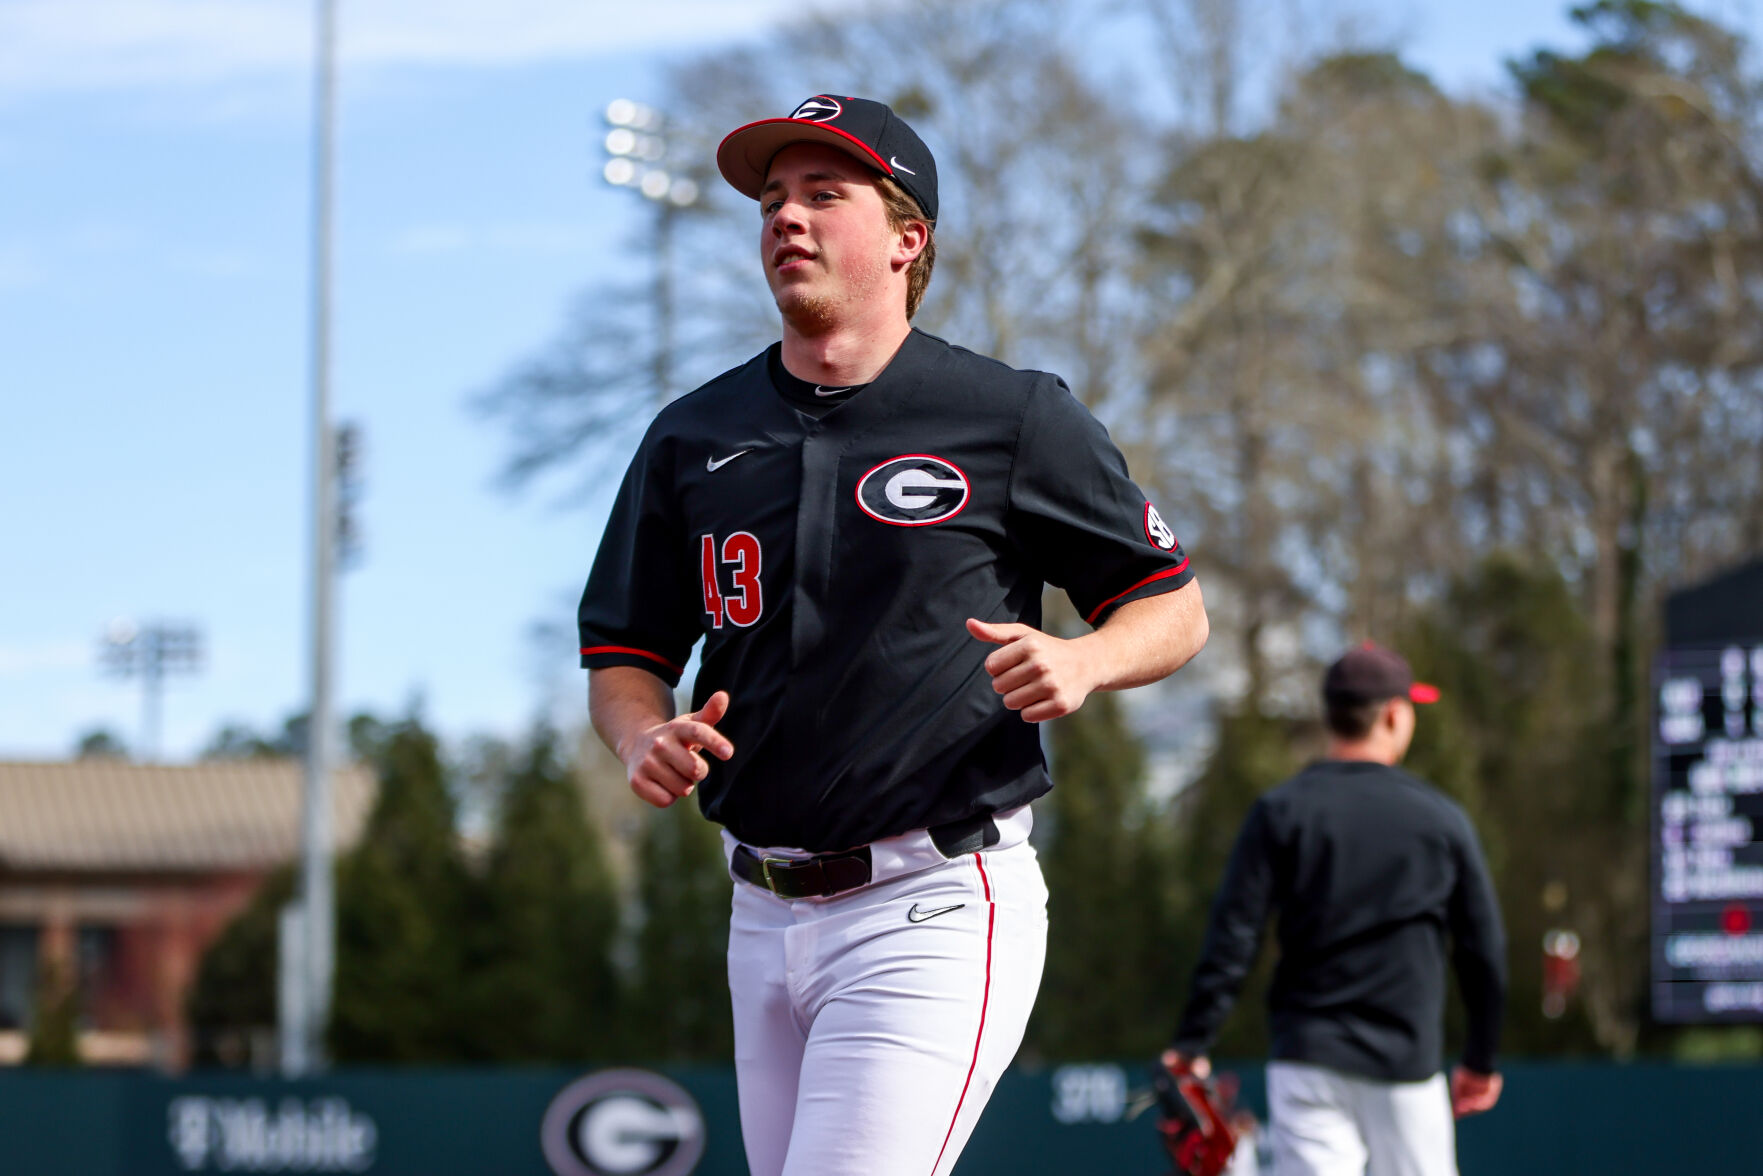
<point x="664" y="218"/>
<point x="304" y="1046"/>
<point x="152" y="683"/>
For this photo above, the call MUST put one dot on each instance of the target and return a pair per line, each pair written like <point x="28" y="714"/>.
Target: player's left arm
<point x="1142" y="641"/>
<point x="1478" y="955"/>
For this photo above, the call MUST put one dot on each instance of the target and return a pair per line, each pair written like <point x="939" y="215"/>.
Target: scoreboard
<point x="1707" y="937"/>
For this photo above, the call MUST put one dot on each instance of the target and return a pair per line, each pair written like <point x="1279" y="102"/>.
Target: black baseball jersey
<point x="830" y="564"/>
<point x="1377" y="880"/>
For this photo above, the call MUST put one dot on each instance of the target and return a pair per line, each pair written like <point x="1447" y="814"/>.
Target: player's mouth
<point x="790" y="257"/>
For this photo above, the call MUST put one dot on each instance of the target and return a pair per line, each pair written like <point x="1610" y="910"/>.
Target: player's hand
<point x="1042" y="676"/>
<point x="1200" y="1066"/>
<point x="663" y="764"/>
<point x="1472" y="1093"/>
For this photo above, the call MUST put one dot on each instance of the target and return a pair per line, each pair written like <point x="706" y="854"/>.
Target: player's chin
<point x="800" y="304"/>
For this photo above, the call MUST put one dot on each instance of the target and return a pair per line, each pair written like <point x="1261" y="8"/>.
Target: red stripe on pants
<point x="985" y="999"/>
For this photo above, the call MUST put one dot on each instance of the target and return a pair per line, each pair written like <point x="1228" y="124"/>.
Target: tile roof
<point x="103" y="814"/>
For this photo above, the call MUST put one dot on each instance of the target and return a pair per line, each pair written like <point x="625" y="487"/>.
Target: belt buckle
<point x="765" y="864"/>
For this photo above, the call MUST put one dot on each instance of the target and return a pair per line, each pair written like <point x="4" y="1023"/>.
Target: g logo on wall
<point x="913" y="490"/>
<point x="622" y="1123"/>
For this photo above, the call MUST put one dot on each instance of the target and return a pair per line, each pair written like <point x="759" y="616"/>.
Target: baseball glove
<point x="1194" y="1119"/>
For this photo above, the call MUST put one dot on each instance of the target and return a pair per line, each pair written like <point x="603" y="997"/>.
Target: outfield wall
<point x="1554" y="1119"/>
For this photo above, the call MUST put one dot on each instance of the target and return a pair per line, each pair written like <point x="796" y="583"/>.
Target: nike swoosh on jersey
<point x="711" y="464"/>
<point x="819" y="391"/>
<point x="917" y="916"/>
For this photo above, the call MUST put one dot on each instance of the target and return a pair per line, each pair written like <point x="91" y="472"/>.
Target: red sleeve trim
<point x="654" y="657"/>
<point x="1177" y="570"/>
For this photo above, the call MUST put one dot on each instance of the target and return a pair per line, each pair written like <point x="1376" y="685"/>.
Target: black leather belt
<point x="833" y="873"/>
<point x="814" y="877"/>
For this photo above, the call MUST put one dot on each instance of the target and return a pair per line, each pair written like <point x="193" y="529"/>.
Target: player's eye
<point x="771" y="206"/>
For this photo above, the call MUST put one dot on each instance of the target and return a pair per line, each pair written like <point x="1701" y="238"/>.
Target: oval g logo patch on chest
<point x="913" y="490"/>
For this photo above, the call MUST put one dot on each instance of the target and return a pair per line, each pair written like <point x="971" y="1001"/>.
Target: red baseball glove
<point x="1194" y="1119"/>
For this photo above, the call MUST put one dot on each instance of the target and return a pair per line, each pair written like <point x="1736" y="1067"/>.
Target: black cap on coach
<point x="1372" y="673"/>
<point x="868" y="130"/>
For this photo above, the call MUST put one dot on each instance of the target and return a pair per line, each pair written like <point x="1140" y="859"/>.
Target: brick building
<point x="124" y="873"/>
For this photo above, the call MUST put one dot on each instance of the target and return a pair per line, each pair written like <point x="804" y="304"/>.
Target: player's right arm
<point x="632" y="710"/>
<point x="638" y="622"/>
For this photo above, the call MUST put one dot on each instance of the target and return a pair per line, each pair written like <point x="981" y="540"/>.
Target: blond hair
<point x="902" y="211"/>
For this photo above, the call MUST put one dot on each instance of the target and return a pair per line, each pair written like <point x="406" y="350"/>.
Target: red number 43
<point x="744" y="603"/>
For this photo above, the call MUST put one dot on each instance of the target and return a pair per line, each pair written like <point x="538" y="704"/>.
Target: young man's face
<point x="824" y="237"/>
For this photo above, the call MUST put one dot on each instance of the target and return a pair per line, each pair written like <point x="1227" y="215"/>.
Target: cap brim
<point x="1421" y="692"/>
<point x="745" y="154"/>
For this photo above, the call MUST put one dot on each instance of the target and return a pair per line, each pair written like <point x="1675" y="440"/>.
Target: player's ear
<point x="1390" y="720"/>
<point x="914" y="236"/>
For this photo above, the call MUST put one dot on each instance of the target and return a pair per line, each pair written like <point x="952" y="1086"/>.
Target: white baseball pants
<point x="1326" y="1123"/>
<point x="872" y="1026"/>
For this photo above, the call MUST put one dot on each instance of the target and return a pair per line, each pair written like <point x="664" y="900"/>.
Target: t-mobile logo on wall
<point x="245" y="1135"/>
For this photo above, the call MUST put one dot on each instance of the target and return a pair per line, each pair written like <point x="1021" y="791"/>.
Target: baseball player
<point x="1370" y="870"/>
<point x="858" y="522"/>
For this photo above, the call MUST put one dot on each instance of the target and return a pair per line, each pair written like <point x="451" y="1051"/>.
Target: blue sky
<point x="154" y="208"/>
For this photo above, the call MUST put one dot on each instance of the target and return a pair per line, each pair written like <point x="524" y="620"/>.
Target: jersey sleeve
<point x="637" y="608"/>
<point x="1079" y="518"/>
<point x="1233" y="934"/>
<point x="1478" y="950"/>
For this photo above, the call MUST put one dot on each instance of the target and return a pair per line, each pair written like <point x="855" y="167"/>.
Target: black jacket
<point x="1370" y="871"/>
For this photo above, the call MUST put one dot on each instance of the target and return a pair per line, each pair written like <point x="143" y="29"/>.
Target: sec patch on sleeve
<point x="1157" y="531"/>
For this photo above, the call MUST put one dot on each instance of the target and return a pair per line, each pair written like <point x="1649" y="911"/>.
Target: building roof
<point x="112" y="815"/>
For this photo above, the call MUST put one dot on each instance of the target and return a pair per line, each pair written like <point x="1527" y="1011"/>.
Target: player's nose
<point x="789" y="217"/>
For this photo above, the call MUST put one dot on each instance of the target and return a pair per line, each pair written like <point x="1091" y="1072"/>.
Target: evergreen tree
<point x="234" y="993"/>
<point x="679" y="996"/>
<point x="101" y="743"/>
<point x="1109" y="864"/>
<point x="539" y="983"/>
<point x="401" y="896"/>
<point x="54" y="1039"/>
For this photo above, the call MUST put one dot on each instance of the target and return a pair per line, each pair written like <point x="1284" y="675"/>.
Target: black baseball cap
<point x="1372" y="673"/>
<point x="868" y="130"/>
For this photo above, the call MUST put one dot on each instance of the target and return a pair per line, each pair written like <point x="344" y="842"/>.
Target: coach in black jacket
<point x="1371" y="871"/>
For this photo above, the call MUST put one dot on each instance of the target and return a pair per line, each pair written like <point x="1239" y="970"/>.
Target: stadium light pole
<point x="639" y="143"/>
<point x="306" y="1016"/>
<point x="150" y="652"/>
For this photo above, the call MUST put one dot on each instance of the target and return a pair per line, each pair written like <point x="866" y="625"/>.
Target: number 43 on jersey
<point x="740" y="554"/>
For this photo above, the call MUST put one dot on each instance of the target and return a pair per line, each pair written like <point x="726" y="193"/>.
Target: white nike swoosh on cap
<point x="711" y="464"/>
<point x="894" y="162"/>
<point x="819" y="391"/>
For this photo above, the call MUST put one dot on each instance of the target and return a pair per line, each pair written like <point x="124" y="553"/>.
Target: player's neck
<point x="1370" y="750"/>
<point x="843" y="353"/>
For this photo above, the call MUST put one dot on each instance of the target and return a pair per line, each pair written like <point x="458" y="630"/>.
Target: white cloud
<point x="48" y="655"/>
<point x="213" y="263"/>
<point x="61" y="45"/>
<point x="544" y="237"/>
<point x="19" y="270"/>
<point x="432" y="239"/>
<point x="447" y="237"/>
